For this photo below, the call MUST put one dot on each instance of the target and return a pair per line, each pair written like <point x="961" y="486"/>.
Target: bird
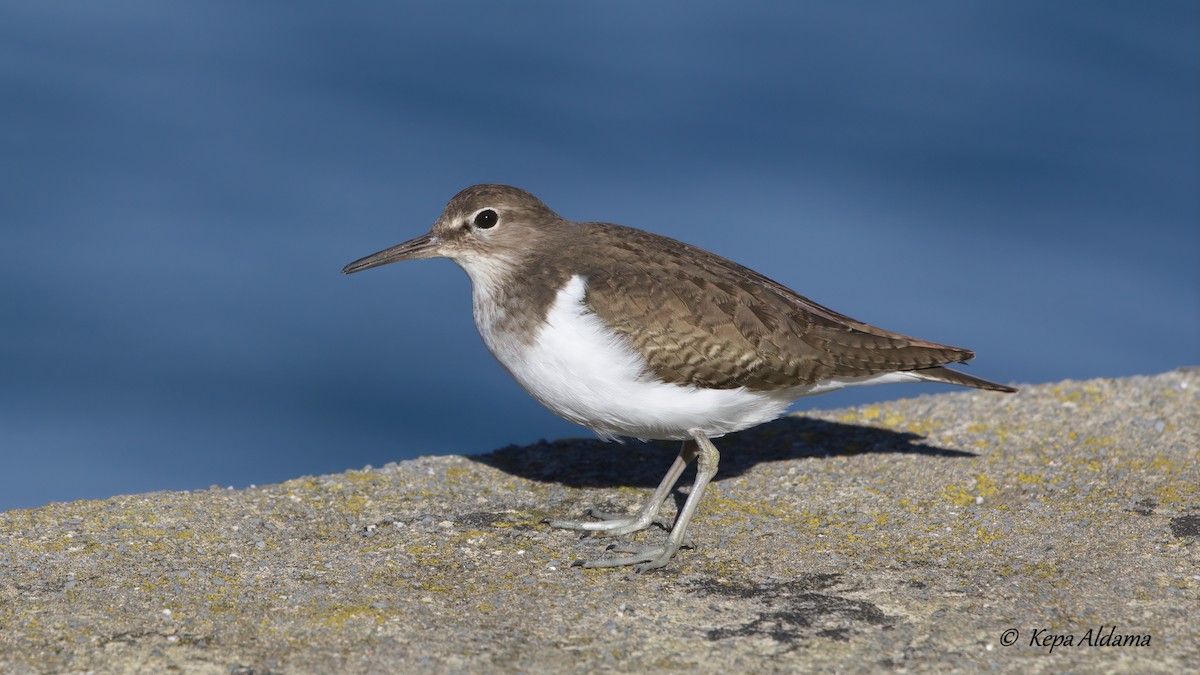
<point x="634" y="334"/>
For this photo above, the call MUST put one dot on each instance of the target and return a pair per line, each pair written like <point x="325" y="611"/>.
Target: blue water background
<point x="180" y="184"/>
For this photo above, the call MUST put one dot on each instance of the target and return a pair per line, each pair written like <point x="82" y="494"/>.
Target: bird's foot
<point x="643" y="558"/>
<point x="613" y="524"/>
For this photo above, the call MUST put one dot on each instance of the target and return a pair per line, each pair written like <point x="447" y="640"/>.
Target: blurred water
<point x="182" y="183"/>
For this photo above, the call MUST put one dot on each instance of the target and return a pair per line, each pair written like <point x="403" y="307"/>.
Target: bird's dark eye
<point x="486" y="218"/>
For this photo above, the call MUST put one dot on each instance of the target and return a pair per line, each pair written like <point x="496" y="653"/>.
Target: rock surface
<point x="910" y="535"/>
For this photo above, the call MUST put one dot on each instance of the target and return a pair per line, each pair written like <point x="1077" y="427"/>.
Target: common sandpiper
<point x="630" y="333"/>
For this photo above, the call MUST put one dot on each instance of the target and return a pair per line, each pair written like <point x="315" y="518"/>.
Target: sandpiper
<point x="630" y="333"/>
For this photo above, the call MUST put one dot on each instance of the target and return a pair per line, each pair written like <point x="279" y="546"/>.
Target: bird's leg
<point x="617" y="524"/>
<point x="652" y="557"/>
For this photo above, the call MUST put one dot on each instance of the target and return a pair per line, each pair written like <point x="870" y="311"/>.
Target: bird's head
<point x="484" y="225"/>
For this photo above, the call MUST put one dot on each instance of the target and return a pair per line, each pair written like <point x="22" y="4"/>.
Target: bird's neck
<point x="510" y="296"/>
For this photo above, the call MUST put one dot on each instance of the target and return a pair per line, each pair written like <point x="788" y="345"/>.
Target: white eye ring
<point x="485" y="218"/>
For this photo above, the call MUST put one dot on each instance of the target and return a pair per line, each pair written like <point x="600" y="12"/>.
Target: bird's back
<point x="699" y="319"/>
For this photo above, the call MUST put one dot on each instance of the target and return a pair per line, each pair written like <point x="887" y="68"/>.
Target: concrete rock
<point x="916" y="535"/>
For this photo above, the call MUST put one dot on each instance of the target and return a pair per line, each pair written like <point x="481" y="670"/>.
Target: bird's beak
<point x="424" y="246"/>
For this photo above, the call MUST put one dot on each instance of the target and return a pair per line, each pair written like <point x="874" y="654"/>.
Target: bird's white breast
<point x="589" y="375"/>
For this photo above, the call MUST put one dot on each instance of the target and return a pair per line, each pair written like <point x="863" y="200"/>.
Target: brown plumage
<point x="700" y="319"/>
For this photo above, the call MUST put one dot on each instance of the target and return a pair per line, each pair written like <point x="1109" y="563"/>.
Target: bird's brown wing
<point x="699" y="319"/>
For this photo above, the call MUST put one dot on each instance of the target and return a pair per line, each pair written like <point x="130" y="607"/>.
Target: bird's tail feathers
<point x="940" y="374"/>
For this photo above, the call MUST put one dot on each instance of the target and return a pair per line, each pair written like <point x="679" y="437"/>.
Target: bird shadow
<point x="586" y="462"/>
